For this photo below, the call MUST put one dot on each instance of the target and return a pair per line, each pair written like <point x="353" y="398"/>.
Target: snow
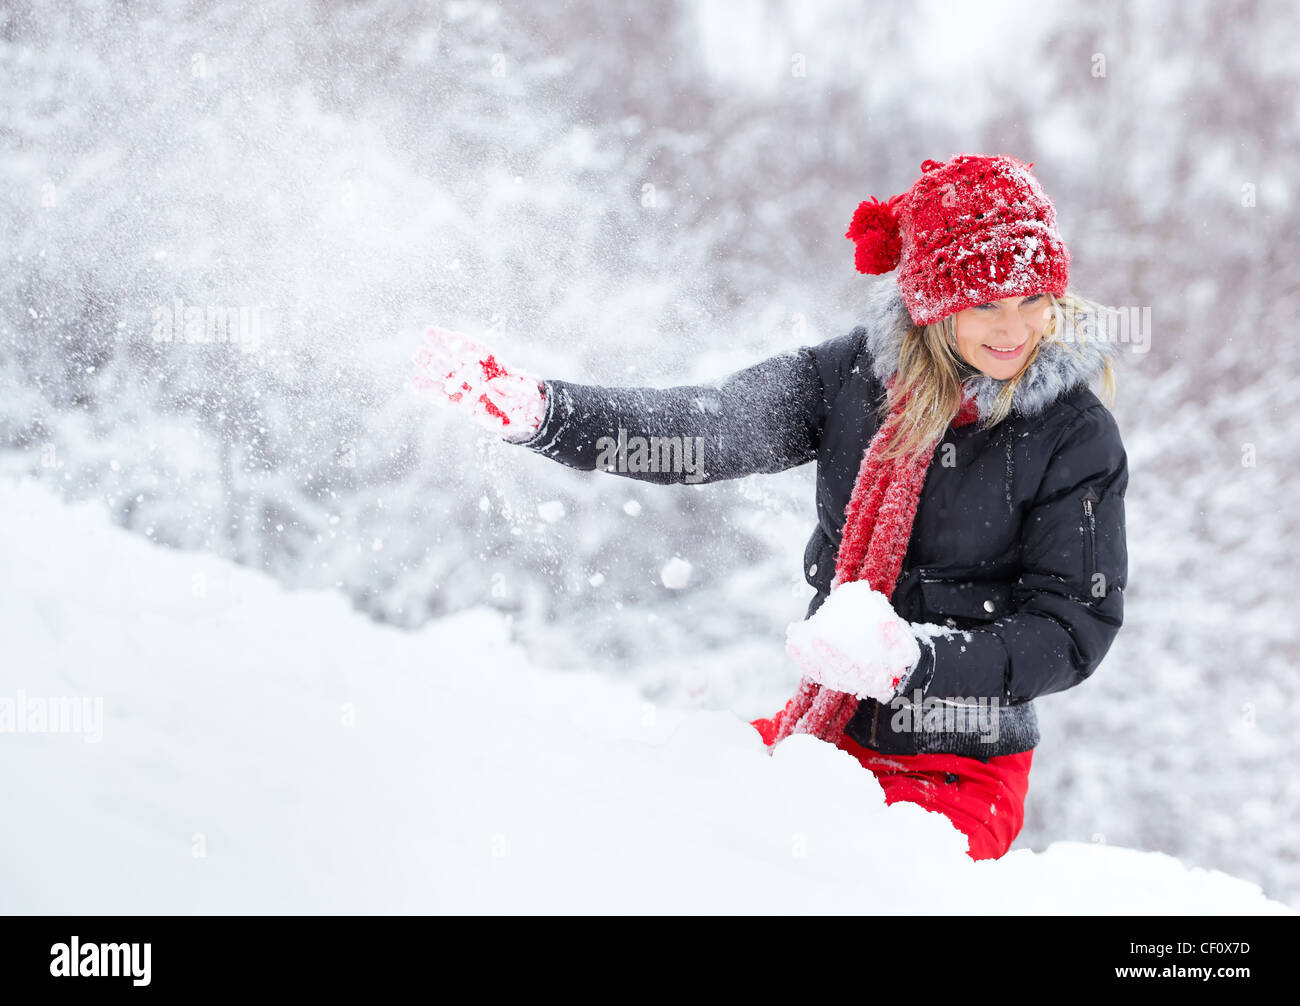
<point x="676" y="573"/>
<point x="266" y="750"/>
<point x="928" y="630"/>
<point x="550" y="511"/>
<point x="854" y="643"/>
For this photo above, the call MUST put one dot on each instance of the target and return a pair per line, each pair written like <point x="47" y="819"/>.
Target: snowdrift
<point x="178" y="734"/>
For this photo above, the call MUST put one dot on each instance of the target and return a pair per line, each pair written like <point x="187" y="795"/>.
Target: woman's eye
<point x="992" y="306"/>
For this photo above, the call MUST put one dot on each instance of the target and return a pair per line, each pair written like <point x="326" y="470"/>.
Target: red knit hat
<point x="969" y="231"/>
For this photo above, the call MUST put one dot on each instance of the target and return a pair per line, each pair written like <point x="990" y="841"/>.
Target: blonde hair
<point x="932" y="371"/>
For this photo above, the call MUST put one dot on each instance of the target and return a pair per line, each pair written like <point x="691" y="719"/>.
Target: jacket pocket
<point x="1089" y="531"/>
<point x="1105" y="550"/>
<point x="957" y="600"/>
<point x="819" y="560"/>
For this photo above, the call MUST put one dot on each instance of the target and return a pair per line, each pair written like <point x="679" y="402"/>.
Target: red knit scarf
<point x="877" y="529"/>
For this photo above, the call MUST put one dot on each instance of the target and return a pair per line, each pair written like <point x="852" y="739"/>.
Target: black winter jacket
<point x="1017" y="559"/>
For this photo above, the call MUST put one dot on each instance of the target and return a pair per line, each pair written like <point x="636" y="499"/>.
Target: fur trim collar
<point x="1057" y="370"/>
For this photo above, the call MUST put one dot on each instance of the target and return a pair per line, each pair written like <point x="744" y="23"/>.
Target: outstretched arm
<point x="764" y="418"/>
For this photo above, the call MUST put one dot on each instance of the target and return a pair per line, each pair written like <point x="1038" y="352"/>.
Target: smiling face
<point x="1013" y="323"/>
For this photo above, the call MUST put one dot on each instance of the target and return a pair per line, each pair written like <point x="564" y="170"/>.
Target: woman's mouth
<point x="1005" y="354"/>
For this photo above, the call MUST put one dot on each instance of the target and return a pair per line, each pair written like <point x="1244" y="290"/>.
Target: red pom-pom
<point x="875" y="232"/>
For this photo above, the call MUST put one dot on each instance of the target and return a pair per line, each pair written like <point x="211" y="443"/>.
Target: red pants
<point x="983" y="800"/>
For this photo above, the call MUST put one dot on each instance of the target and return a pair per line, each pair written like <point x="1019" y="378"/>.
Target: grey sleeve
<point x="764" y="418"/>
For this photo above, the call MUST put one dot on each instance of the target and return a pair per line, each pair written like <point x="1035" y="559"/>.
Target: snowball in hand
<point x="458" y="372"/>
<point x="854" y="643"/>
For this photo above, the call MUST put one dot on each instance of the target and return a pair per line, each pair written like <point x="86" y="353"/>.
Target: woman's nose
<point x="1015" y="327"/>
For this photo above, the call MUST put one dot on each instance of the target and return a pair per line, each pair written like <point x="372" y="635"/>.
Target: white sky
<point x="752" y="41"/>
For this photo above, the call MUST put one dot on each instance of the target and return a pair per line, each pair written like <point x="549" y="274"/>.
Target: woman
<point x="970" y="546"/>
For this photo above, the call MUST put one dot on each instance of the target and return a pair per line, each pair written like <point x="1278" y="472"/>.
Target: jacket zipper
<point x="1090" y="533"/>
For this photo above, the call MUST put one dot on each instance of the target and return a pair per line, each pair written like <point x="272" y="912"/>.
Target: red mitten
<point x="459" y="373"/>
